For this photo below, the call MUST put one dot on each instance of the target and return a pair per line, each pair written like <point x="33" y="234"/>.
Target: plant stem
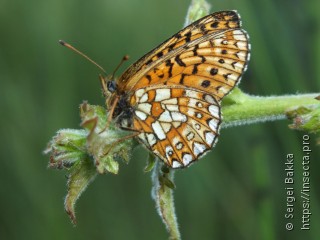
<point x="239" y="108"/>
<point x="163" y="196"/>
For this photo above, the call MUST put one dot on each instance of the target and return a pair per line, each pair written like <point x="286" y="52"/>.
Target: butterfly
<point x="171" y="97"/>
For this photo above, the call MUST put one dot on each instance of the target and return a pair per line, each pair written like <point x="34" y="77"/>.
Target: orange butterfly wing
<point x="177" y="123"/>
<point x="176" y="89"/>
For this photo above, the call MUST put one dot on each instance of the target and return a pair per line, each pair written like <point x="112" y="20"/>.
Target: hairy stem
<point x="240" y="108"/>
<point x="162" y="193"/>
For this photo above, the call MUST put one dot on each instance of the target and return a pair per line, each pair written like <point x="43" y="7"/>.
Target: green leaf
<point x="151" y="163"/>
<point x="164" y="180"/>
<point x="107" y="164"/>
<point x="79" y="178"/>
<point x="67" y="148"/>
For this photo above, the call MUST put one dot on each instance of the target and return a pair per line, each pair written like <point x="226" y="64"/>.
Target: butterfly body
<point x="172" y="95"/>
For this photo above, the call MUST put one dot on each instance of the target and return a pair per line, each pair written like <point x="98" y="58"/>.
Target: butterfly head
<point x="111" y="85"/>
<point x="110" y="82"/>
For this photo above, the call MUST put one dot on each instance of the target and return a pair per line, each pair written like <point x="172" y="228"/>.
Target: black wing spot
<point x="224" y="51"/>
<point x="205" y="83"/>
<point x="170" y="48"/>
<point x="168" y="63"/>
<point x="213" y="71"/>
<point x="188" y="36"/>
<point x="221" y="61"/>
<point x="148" y="77"/>
<point x="178" y="36"/>
<point x="214" y="24"/>
<point x="159" y="54"/>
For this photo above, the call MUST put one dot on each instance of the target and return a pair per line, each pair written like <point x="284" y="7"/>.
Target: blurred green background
<point x="235" y="192"/>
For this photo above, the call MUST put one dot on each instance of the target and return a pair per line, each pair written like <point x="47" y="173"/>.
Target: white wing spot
<point x="190" y="112"/>
<point x="191" y="94"/>
<point x="242" y="55"/>
<point x="177" y="116"/>
<point x="242" y="45"/>
<point x="172" y="101"/>
<point x="143" y="137"/>
<point x="199" y="115"/>
<point x="179" y="145"/>
<point x="162" y="94"/>
<point x="232" y="77"/>
<point x="209" y="138"/>
<point x="199" y="104"/>
<point x="214" y="111"/>
<point x="213" y="124"/>
<point x="169" y="151"/>
<point x="197" y="126"/>
<point x="187" y="158"/>
<point x="173" y="108"/>
<point x="165" y="126"/>
<point x="175" y="140"/>
<point x="151" y="139"/>
<point x="144" y="98"/>
<point x="141" y="115"/>
<point x="192" y="102"/>
<point x="190" y="136"/>
<point x="176" y="164"/>
<point x="238" y="35"/>
<point x="198" y="148"/>
<point x="139" y="93"/>
<point x="145" y="107"/>
<point x="165" y="117"/>
<point x="209" y="99"/>
<point x="224" y="90"/>
<point x="176" y="124"/>
<point x="238" y="65"/>
<point x="158" y="130"/>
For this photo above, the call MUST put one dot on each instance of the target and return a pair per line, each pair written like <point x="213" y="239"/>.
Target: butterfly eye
<point x="112" y="86"/>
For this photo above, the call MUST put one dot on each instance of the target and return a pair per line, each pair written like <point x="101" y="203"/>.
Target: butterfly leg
<point x="129" y="129"/>
<point x="110" y="114"/>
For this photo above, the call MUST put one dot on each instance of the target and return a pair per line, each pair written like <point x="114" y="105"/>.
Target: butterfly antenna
<point x="63" y="43"/>
<point x="125" y="58"/>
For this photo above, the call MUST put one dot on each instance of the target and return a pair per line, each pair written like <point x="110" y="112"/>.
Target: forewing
<point x="176" y="123"/>
<point x="213" y="48"/>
